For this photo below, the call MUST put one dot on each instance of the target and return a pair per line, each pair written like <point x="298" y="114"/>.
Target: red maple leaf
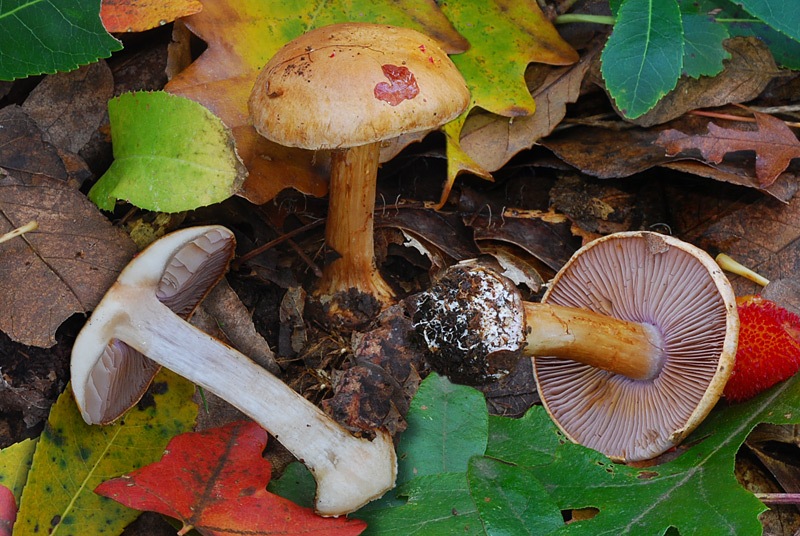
<point x="215" y="482"/>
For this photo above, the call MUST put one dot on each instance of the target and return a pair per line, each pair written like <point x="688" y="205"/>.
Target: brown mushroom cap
<point x="676" y="288"/>
<point x="352" y="84"/>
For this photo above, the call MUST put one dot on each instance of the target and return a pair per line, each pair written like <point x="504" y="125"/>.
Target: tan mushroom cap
<point x="352" y="84"/>
<point x="663" y="282"/>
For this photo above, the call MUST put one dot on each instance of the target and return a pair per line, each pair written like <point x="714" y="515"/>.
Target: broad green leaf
<point x="643" y="58"/>
<point x="438" y="505"/>
<point x="510" y="500"/>
<point x="703" y="51"/>
<point x="697" y="492"/>
<point x="47" y="36"/>
<point x="72" y="458"/>
<point x="296" y="484"/>
<point x="15" y="461"/>
<point x="444" y="431"/>
<point x="782" y="15"/>
<point x="170" y="154"/>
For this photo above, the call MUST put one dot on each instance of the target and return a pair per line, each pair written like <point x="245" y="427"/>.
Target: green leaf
<point x="444" y="430"/>
<point x="697" y="493"/>
<point x="47" y="36"/>
<point x="781" y="15"/>
<point x="296" y="484"/>
<point x="15" y="461"/>
<point x="170" y="154"/>
<point x="438" y="505"/>
<point x="72" y="458"/>
<point x="643" y="58"/>
<point x="510" y="500"/>
<point x="703" y="51"/>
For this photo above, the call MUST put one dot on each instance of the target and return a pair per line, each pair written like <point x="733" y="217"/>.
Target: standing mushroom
<point x="632" y="344"/>
<point x="348" y="88"/>
<point x="137" y="317"/>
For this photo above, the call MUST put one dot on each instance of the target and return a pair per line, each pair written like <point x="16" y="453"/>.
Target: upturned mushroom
<point x="137" y="317"/>
<point x="631" y="346"/>
<point x="347" y="88"/>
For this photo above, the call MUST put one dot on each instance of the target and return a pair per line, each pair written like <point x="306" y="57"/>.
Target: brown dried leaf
<point x="491" y="140"/>
<point x="64" y="267"/>
<point x="774" y="143"/>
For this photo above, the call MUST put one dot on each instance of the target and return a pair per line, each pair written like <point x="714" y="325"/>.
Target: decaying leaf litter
<point x="535" y="213"/>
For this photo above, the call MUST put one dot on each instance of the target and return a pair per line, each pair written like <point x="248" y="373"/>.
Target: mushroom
<point x="137" y="317"/>
<point x="631" y="346"/>
<point x="349" y="87"/>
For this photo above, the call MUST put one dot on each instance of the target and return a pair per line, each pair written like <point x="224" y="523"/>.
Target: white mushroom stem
<point x="349" y="229"/>
<point x="349" y="471"/>
<point x="628" y="348"/>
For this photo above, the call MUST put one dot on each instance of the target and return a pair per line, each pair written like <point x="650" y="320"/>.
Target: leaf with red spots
<point x="215" y="482"/>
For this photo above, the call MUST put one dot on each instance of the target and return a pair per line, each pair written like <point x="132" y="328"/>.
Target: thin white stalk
<point x="350" y="471"/>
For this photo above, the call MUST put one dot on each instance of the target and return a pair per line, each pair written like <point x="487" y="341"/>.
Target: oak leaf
<point x="774" y="143"/>
<point x="141" y="15"/>
<point x="215" y="482"/>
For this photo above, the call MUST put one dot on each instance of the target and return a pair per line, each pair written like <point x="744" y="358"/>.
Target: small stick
<point x="30" y="226"/>
<point x="727" y="263"/>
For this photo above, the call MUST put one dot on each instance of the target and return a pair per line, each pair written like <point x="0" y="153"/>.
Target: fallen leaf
<point x="69" y="107"/>
<point x="23" y="151"/>
<point x="64" y="267"/>
<point x="15" y="461"/>
<point x="8" y="511"/>
<point x="170" y="155"/>
<point x="215" y="482"/>
<point x="774" y="143"/>
<point x="72" y="457"/>
<point x="140" y="15"/>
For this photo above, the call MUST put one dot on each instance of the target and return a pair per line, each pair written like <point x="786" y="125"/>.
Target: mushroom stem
<point x="349" y="229"/>
<point x="349" y="471"/>
<point x="627" y="348"/>
<point x="730" y="265"/>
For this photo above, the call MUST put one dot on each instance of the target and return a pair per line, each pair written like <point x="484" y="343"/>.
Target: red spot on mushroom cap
<point x="769" y="348"/>
<point x="403" y="85"/>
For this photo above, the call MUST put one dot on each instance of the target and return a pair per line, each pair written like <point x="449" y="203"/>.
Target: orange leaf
<point x="774" y="143"/>
<point x="141" y="15"/>
<point x="215" y="482"/>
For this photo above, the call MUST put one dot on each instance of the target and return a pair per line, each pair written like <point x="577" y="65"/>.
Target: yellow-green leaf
<point x="15" y="461"/>
<point x="72" y="458"/>
<point x="170" y="154"/>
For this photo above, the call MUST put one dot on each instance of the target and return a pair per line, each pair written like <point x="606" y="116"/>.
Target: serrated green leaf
<point x="47" y="36"/>
<point x="444" y="431"/>
<point x="781" y="15"/>
<point x="703" y="51"/>
<point x="170" y="154"/>
<point x="438" y="505"/>
<point x="510" y="500"/>
<point x="697" y="493"/>
<point x="643" y="58"/>
<point x="72" y="458"/>
<point x="15" y="461"/>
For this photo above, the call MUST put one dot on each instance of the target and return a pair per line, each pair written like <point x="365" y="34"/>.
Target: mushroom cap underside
<point x="679" y="290"/>
<point x="108" y="376"/>
<point x="354" y="83"/>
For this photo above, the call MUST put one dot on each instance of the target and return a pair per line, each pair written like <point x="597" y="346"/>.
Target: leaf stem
<point x="584" y="17"/>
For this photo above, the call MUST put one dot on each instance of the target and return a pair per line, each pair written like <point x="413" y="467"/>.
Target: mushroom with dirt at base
<point x="347" y="88"/>
<point x="136" y="318"/>
<point x="631" y="346"/>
